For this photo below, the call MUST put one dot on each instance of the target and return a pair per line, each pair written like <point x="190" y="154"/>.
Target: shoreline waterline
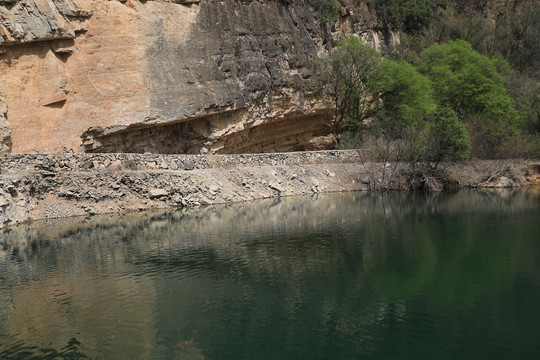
<point x="45" y="186"/>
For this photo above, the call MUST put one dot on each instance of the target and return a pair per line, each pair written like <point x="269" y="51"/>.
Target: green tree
<point x="409" y="15"/>
<point x="448" y="137"/>
<point x="472" y="85"/>
<point x="328" y="9"/>
<point x="406" y="94"/>
<point x="348" y="77"/>
<point x="400" y="123"/>
<point x="397" y="130"/>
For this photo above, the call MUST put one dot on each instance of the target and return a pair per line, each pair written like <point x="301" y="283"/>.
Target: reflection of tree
<point x="360" y="268"/>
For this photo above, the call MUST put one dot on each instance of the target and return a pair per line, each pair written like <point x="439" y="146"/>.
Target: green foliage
<point x="349" y="76"/>
<point x="406" y="94"/>
<point x="448" y="137"/>
<point x="513" y="32"/>
<point x="407" y="100"/>
<point x="441" y="3"/>
<point x="467" y="80"/>
<point x="473" y="86"/>
<point x="329" y="9"/>
<point x="409" y="15"/>
<point x="331" y="12"/>
<point x="238" y="48"/>
<point x="454" y="98"/>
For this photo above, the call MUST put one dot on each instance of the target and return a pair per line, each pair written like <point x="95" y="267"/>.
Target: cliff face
<point x="169" y="76"/>
<point x="5" y="129"/>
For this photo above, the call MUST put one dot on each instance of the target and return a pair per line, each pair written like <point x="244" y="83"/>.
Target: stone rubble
<point x="43" y="186"/>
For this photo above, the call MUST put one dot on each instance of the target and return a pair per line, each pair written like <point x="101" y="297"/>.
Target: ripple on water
<point x="339" y="276"/>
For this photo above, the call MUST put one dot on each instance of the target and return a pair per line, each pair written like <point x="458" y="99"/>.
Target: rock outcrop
<point x="170" y="76"/>
<point x="5" y="128"/>
<point x="39" y="20"/>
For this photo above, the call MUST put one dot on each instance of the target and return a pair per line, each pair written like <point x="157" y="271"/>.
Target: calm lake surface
<point x="338" y="276"/>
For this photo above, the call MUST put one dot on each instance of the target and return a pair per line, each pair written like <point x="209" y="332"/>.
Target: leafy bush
<point x="329" y="9"/>
<point x="409" y="15"/>
<point x="472" y="85"/>
<point x="406" y="94"/>
<point x="448" y="137"/>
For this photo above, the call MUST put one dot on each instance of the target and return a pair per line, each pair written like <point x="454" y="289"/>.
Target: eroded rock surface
<point x="5" y="128"/>
<point x="38" y="20"/>
<point x="169" y="76"/>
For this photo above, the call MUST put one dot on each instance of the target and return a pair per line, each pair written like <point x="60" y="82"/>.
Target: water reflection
<point x="333" y="276"/>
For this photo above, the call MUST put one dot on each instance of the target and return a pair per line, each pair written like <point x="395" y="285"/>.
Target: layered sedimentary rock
<point x="169" y="76"/>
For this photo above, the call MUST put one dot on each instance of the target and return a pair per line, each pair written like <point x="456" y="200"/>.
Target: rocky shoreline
<point x="44" y="186"/>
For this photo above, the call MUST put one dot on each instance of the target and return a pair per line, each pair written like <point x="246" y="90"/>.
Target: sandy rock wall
<point x="168" y="76"/>
<point x="56" y="89"/>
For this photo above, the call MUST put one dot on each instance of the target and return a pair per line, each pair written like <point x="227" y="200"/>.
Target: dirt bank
<point x="37" y="186"/>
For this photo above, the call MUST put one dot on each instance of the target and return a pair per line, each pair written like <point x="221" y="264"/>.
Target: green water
<point x="345" y="276"/>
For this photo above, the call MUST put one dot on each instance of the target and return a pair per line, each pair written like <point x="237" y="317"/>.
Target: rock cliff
<point x="169" y="76"/>
<point x="5" y="129"/>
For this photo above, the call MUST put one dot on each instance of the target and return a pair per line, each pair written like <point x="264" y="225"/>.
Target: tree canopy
<point x="349" y="76"/>
<point x="406" y="94"/>
<point x="473" y="86"/>
<point x="448" y="137"/>
<point x="468" y="81"/>
<point x="410" y="15"/>
<point x="454" y="96"/>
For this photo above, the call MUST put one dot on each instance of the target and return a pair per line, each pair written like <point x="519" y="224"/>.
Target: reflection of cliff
<point x="168" y="76"/>
<point x="60" y="299"/>
<point x="214" y="228"/>
<point x="207" y="279"/>
<point x="75" y="305"/>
